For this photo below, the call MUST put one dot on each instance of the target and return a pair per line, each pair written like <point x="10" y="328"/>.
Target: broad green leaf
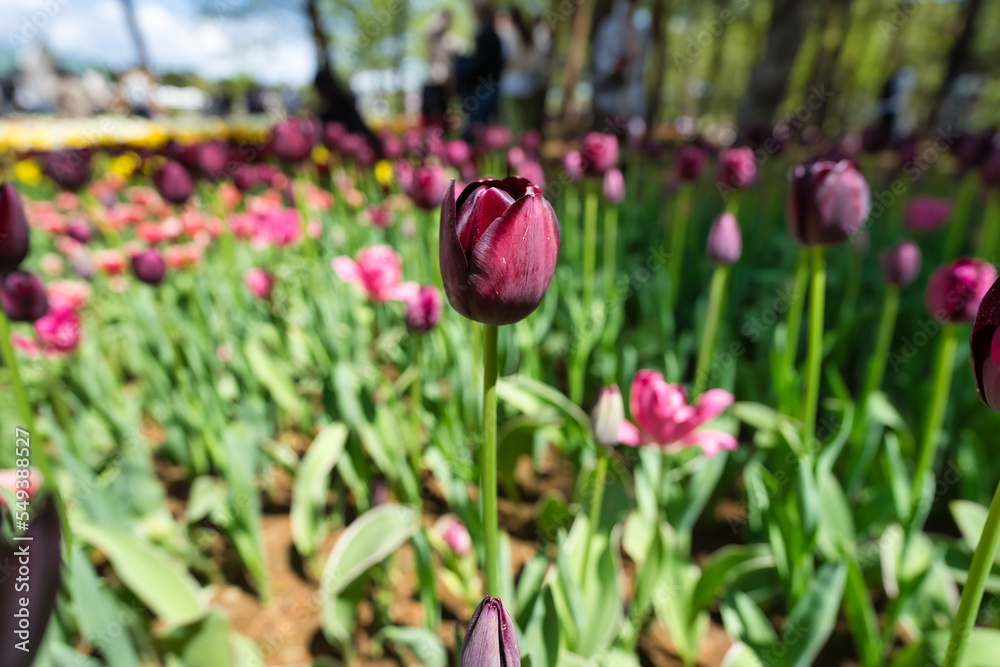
<point x="811" y="621"/>
<point x="162" y="583"/>
<point x="861" y="617"/>
<point x="423" y="644"/>
<point x="368" y="540"/>
<point x="274" y="377"/>
<point x="724" y="567"/>
<point x="311" y="482"/>
<point x="741" y="655"/>
<point x="204" y="643"/>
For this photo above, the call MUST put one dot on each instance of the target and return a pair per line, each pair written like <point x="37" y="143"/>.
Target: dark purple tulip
<point x="737" y="168"/>
<point x="427" y="186"/>
<point x="901" y="265"/>
<point x="43" y="535"/>
<point x="246" y="177"/>
<point x="490" y="640"/>
<point x="173" y="182"/>
<point x="725" y="243"/>
<point x="79" y="231"/>
<point x="955" y="290"/>
<point x="689" y="162"/>
<point x="925" y="213"/>
<point x="292" y="139"/>
<point x="906" y="149"/>
<point x="973" y="149"/>
<point x="23" y="297"/>
<point x="828" y="203"/>
<point x="498" y="249"/>
<point x="531" y="142"/>
<point x="423" y="310"/>
<point x="332" y="134"/>
<point x="14" y="234"/>
<point x="149" y="267"/>
<point x="614" y="186"/>
<point x="991" y="169"/>
<point x="985" y="348"/>
<point x="875" y="137"/>
<point x="69" y="168"/>
<point x="599" y="152"/>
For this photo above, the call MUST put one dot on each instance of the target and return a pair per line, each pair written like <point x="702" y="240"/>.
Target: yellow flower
<point x="383" y="173"/>
<point x="320" y="154"/>
<point x="125" y="164"/>
<point x="28" y="172"/>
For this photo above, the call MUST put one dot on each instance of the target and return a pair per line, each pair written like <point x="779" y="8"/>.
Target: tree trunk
<point x="769" y="81"/>
<point x="133" y="27"/>
<point x="576" y="54"/>
<point x="657" y="81"/>
<point x="832" y="36"/>
<point x="959" y="57"/>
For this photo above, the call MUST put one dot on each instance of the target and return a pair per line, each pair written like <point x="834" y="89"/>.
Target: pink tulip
<point x="737" y="168"/>
<point x="376" y="271"/>
<point x="664" y="417"/>
<point x="423" y="309"/>
<point x="614" y="186"/>
<point x="532" y="171"/>
<point x="67" y="295"/>
<point x="955" y="291"/>
<point x="58" y="332"/>
<point x="925" y="214"/>
<point x="109" y="261"/>
<point x="259" y="283"/>
<point x="455" y="535"/>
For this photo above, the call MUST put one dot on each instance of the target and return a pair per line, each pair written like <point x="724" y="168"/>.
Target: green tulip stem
<point x="38" y="453"/>
<point x="488" y="461"/>
<point x="610" y="253"/>
<point x="589" y="245"/>
<point x="943" y="369"/>
<point x="880" y="355"/>
<point x="795" y="314"/>
<point x="682" y="210"/>
<point x="596" y="500"/>
<point x="975" y="584"/>
<point x="814" y="351"/>
<point x="716" y="297"/>
<point x="991" y="223"/>
<point x="960" y="216"/>
<point x="416" y="403"/>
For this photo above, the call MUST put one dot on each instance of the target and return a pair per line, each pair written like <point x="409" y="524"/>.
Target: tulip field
<point x="283" y="395"/>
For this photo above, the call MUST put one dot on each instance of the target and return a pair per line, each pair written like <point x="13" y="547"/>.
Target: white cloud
<point x="274" y="47"/>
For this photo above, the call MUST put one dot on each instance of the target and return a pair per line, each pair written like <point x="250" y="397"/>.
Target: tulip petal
<point x="513" y="262"/>
<point x="628" y="434"/>
<point x="347" y="269"/>
<point x="482" y="637"/>
<point x="452" y="257"/>
<point x="995" y="348"/>
<point x="710" y="404"/>
<point x="711" y="442"/>
<point x="401" y="291"/>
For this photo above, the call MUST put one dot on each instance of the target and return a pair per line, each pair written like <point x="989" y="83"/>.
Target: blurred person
<point x="71" y="97"/>
<point x="522" y="74"/>
<point x="479" y="75"/>
<point x="135" y="87"/>
<point x="617" y="65"/>
<point x="439" y="86"/>
<point x="98" y="90"/>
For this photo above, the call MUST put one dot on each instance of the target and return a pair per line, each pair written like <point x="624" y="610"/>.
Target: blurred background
<point x="716" y="67"/>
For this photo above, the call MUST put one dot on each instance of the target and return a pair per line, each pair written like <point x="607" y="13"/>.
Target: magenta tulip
<point x="599" y="152"/>
<point x="149" y="266"/>
<point x="423" y="309"/>
<point x="376" y="272"/>
<point x="925" y="214"/>
<point x="14" y="234"/>
<point x="725" y="243"/>
<point x="829" y="202"/>
<point x="259" y="282"/>
<point x="173" y="182"/>
<point x="737" y="168"/>
<point x="985" y="348"/>
<point x="901" y="265"/>
<point x="689" y="162"/>
<point x="426" y="187"/>
<point x="498" y="249"/>
<point x="614" y="186"/>
<point x="955" y="290"/>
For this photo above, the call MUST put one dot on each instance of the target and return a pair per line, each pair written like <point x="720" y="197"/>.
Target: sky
<point x="274" y="46"/>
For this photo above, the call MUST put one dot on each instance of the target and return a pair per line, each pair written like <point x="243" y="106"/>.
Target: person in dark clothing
<point x="478" y="75"/>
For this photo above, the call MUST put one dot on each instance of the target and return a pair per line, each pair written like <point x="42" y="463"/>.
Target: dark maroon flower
<point x="423" y="309"/>
<point x="426" y="187"/>
<point x="23" y="297"/>
<point x="725" y="242"/>
<point x="69" y="168"/>
<point x="246" y="177"/>
<point x="498" y="249"/>
<point x="985" y="348"/>
<point x="829" y="202"/>
<point x="925" y="213"/>
<point x="79" y="231"/>
<point x="14" y="234"/>
<point x="149" y="266"/>
<point x="875" y="137"/>
<point x="737" y="168"/>
<point x="173" y="182"/>
<point x="901" y="265"/>
<point x="689" y="162"/>
<point x="955" y="290"/>
<point x="599" y="152"/>
<point x="991" y="169"/>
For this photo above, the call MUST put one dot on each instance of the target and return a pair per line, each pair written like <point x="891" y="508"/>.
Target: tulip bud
<point x="532" y="171"/>
<point x="531" y="141"/>
<point x="457" y="152"/>
<point x="599" y="152"/>
<point x="259" y="283"/>
<point x="829" y="202"/>
<point x="901" y="265"/>
<point x="725" y="243"/>
<point x="737" y="168"/>
<point x="498" y="249"/>
<point x="454" y="534"/>
<point x="426" y="187"/>
<point x="985" y="348"/>
<point x="955" y="290"/>
<point x="173" y="182"/>
<point x="14" y="234"/>
<point x="149" y="267"/>
<point x="490" y="640"/>
<point x="689" y="162"/>
<point x="23" y="297"/>
<point x="59" y="331"/>
<point x="423" y="309"/>
<point x="292" y="139"/>
<point x="925" y="214"/>
<point x="211" y="159"/>
<point x="573" y="163"/>
<point x="614" y="186"/>
<point x="79" y="231"/>
<point x="70" y="169"/>
<point x="607" y="417"/>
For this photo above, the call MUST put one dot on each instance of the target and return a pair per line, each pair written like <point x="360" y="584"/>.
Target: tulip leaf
<point x="971" y="519"/>
<point x="311" y="481"/>
<point x="741" y="655"/>
<point x="204" y="643"/>
<point x="162" y="583"/>
<point x="542" y="631"/>
<point x="861" y="616"/>
<point x="423" y="644"/>
<point x="811" y="621"/>
<point x="836" y="531"/>
<point x="514" y="388"/>
<point x="726" y="566"/>
<point x="273" y="377"/>
<point x="368" y="540"/>
<point x="745" y="621"/>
